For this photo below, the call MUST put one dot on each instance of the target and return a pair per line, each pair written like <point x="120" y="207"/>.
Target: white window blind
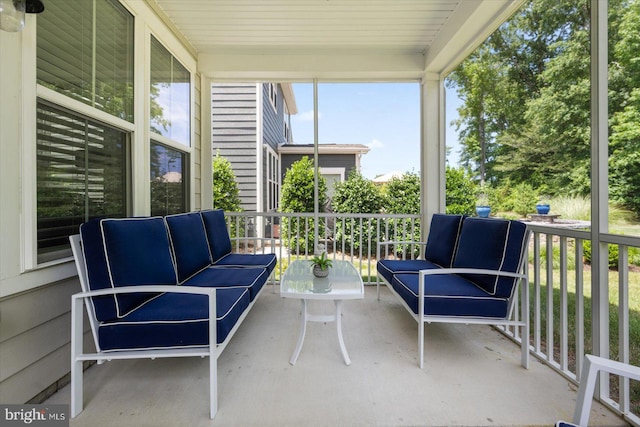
<point x="85" y="51"/>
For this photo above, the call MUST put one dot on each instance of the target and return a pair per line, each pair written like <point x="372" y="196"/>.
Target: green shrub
<point x="226" y="195"/>
<point x="460" y="197"/>
<point x="634" y="255"/>
<point x="357" y="195"/>
<point x="403" y="197"/>
<point x="612" y="259"/>
<point x="298" y="196"/>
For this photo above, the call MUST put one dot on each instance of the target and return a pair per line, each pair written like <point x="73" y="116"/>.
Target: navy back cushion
<point x="492" y="244"/>
<point x="138" y="253"/>
<point x="217" y="233"/>
<point x="189" y="243"/>
<point x="443" y="238"/>
<point x="97" y="270"/>
<point x="482" y="244"/>
<point x="517" y="241"/>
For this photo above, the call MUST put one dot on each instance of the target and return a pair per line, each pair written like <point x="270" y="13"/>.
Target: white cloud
<point x="306" y="116"/>
<point x="375" y="144"/>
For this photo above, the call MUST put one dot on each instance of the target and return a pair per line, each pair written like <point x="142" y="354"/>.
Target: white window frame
<point x="273" y="95"/>
<point x="273" y="179"/>
<point x="140" y="137"/>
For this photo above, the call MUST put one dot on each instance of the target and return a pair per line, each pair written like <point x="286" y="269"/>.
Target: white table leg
<point x="303" y="330"/>
<point x="347" y="361"/>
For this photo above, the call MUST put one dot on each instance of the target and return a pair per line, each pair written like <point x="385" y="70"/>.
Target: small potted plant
<point x="321" y="265"/>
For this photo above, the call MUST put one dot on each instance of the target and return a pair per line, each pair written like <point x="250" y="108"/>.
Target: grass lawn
<point x="634" y="320"/>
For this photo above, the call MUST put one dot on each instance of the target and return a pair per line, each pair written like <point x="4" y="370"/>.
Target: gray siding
<point x="34" y="341"/>
<point x="273" y="121"/>
<point x="234" y="134"/>
<point x="272" y="132"/>
<point x="346" y="161"/>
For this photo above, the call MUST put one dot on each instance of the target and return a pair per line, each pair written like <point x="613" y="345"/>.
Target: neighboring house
<point x="385" y="178"/>
<point x="251" y="127"/>
<point x="336" y="161"/>
<point x="249" y="122"/>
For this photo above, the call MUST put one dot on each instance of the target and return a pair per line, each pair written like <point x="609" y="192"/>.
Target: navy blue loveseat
<point x="469" y="274"/>
<point x="161" y="287"/>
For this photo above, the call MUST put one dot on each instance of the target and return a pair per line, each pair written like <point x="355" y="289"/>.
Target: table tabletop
<point x="343" y="282"/>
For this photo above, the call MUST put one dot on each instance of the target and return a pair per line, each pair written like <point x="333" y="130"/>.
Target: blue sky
<point x="383" y="116"/>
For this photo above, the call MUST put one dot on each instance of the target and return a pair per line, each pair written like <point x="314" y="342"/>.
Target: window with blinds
<point x="168" y="181"/>
<point x="81" y="174"/>
<point x="170" y="95"/>
<point x="85" y="51"/>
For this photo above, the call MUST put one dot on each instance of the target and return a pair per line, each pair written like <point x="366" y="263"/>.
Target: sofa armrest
<point x="77" y="328"/>
<point x="458" y="270"/>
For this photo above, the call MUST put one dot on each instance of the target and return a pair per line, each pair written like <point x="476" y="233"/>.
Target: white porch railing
<point x="560" y="282"/>
<point x="352" y="237"/>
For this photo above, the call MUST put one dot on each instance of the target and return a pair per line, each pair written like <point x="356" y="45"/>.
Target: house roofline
<point x="324" y="149"/>
<point x="289" y="98"/>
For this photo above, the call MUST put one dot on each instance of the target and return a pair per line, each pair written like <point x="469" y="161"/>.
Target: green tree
<point x="357" y="195"/>
<point x="298" y="197"/>
<point x="624" y="147"/>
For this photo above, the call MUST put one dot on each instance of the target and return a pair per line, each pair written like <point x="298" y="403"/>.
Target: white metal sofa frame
<point x="511" y="320"/>
<point x="78" y="356"/>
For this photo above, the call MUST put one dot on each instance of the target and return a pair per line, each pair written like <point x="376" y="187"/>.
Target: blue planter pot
<point x="543" y="208"/>
<point x="483" y="211"/>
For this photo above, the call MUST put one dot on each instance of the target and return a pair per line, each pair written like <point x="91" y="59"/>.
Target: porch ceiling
<point x="331" y="38"/>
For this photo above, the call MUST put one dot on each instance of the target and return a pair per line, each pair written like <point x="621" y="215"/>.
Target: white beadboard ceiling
<point x="333" y="29"/>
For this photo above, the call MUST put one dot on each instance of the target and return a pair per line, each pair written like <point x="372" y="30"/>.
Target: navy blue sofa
<point x="161" y="287"/>
<point x="470" y="273"/>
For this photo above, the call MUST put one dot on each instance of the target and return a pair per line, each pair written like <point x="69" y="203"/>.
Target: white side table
<point x="342" y="283"/>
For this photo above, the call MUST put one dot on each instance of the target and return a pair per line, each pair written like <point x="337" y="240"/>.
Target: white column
<point x="599" y="183"/>
<point x="206" y="151"/>
<point x="432" y="148"/>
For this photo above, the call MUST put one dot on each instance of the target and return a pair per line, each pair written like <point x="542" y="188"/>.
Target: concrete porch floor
<point x="472" y="377"/>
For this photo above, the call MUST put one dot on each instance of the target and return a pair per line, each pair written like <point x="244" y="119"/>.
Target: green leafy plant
<point x="322" y="261"/>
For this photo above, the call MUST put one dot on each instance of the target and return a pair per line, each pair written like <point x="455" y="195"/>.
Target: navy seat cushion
<point x="491" y="244"/>
<point x="189" y="244"/>
<point x="248" y="278"/>
<point x="267" y="261"/>
<point x="443" y="238"/>
<point x="174" y="321"/>
<point x="137" y="253"/>
<point x="97" y="270"/>
<point x="217" y="233"/>
<point x="388" y="267"/>
<point x="449" y="295"/>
